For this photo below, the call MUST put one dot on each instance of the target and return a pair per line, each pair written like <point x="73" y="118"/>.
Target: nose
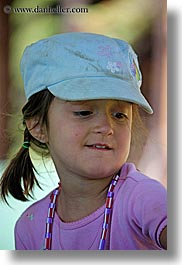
<point x="103" y="124"/>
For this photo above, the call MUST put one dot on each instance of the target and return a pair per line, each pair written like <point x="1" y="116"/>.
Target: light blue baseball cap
<point x="78" y="66"/>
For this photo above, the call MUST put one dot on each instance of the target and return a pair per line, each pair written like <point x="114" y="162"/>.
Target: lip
<point x="100" y="147"/>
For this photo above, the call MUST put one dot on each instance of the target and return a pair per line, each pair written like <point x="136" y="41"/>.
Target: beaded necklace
<point x="106" y="221"/>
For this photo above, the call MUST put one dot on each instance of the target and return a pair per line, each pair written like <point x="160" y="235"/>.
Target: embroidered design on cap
<point x="105" y="51"/>
<point x="114" y="66"/>
<point x="135" y="71"/>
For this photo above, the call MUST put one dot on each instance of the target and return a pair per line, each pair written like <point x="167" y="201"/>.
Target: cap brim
<point x="99" y="88"/>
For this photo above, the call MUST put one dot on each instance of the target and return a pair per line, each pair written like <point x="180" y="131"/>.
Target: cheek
<point x="55" y="132"/>
<point x="79" y="131"/>
<point x="64" y="133"/>
<point x="124" y="137"/>
<point x="76" y="135"/>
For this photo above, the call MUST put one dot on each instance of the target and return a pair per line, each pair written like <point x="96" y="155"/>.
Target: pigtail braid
<point x="19" y="177"/>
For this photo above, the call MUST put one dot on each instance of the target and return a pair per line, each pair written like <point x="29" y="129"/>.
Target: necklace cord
<point x="106" y="221"/>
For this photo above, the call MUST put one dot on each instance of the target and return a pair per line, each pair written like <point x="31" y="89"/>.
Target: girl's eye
<point x="83" y="113"/>
<point x="120" y="115"/>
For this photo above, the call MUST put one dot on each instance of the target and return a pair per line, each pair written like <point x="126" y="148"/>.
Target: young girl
<point x="83" y="92"/>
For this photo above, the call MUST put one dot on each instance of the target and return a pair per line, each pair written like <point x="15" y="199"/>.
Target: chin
<point x="99" y="173"/>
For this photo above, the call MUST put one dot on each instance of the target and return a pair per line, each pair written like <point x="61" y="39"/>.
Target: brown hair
<point x="139" y="135"/>
<point x="20" y="169"/>
<point x="19" y="177"/>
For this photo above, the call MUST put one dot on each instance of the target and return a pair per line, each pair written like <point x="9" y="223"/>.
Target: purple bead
<point x="114" y="182"/>
<point x="110" y="194"/>
<point x="52" y="205"/>
<point x="102" y="244"/>
<point x="47" y="235"/>
<point x="105" y="226"/>
<point x="56" y="192"/>
<point x="49" y="220"/>
<point x="107" y="211"/>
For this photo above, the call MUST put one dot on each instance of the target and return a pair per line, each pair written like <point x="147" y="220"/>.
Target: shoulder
<point x="137" y="179"/>
<point x="138" y="189"/>
<point x="33" y="214"/>
<point x="30" y="227"/>
<point x="140" y="204"/>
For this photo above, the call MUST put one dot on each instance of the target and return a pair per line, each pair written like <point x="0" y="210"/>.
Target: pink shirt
<point x="139" y="215"/>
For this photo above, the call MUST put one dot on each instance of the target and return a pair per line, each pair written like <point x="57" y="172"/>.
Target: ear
<point x="37" y="130"/>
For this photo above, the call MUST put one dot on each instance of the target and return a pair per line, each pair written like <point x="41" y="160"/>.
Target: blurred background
<point x="141" y="23"/>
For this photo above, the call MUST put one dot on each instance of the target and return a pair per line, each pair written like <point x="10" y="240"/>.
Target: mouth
<point x="100" y="147"/>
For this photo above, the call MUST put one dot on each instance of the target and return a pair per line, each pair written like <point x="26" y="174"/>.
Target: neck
<point x="106" y="219"/>
<point x="79" y="197"/>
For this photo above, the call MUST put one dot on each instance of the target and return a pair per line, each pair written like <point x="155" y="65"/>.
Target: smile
<point x="102" y="147"/>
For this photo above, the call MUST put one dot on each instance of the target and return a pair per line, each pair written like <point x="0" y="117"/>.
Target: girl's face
<point x="89" y="138"/>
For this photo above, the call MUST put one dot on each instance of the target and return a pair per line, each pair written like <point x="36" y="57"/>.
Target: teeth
<point x="100" y="146"/>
